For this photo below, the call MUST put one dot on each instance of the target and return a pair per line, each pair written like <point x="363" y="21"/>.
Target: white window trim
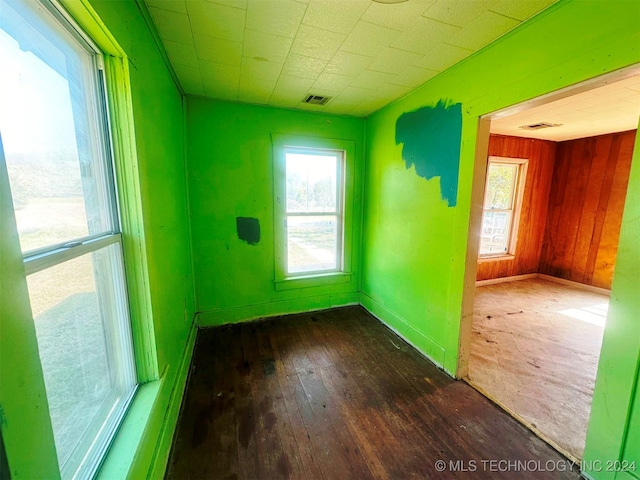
<point x="519" y="186"/>
<point x="282" y="280"/>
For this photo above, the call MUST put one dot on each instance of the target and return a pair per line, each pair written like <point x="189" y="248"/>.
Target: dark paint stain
<point x="431" y="141"/>
<point x="514" y="313"/>
<point x="201" y="428"/>
<point x="246" y="427"/>
<point x="270" y="421"/>
<point x="283" y="466"/>
<point x="248" y="229"/>
<point x="244" y="368"/>
<point x="268" y="366"/>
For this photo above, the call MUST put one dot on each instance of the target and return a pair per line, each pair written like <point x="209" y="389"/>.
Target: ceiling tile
<point x="360" y="52"/>
<point x="220" y="73"/>
<point x="253" y="91"/>
<point x="441" y="56"/>
<point x="370" y="79"/>
<point x="483" y="30"/>
<point x="278" y="17"/>
<point x="259" y="70"/>
<point x="181" y="53"/>
<point x="190" y="78"/>
<point x="259" y="45"/>
<point x="398" y="16"/>
<point x="332" y="82"/>
<point x="424" y="33"/>
<point x="171" y="25"/>
<point x="229" y="3"/>
<point x="392" y="60"/>
<point x="178" y="6"/>
<point x="356" y="94"/>
<point x="391" y="92"/>
<point x="350" y="64"/>
<point x="334" y="15"/>
<point x="413" y="76"/>
<point x="290" y="90"/>
<point x="294" y="83"/>
<point x="520" y="9"/>
<point x="338" y="105"/>
<point x="218" y="50"/>
<point x="316" y="43"/>
<point x="369" y="39"/>
<point x="301" y="66"/>
<point x="214" y="20"/>
<point x="455" y="12"/>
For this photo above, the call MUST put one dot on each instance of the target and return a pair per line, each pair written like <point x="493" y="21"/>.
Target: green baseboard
<point x="213" y="318"/>
<point x="165" y="440"/>
<point x="427" y="347"/>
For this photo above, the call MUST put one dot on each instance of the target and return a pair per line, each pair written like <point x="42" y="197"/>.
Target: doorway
<point x="549" y="190"/>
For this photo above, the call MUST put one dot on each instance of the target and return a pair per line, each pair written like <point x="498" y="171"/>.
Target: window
<point x="55" y="141"/>
<point x="502" y="198"/>
<point x="313" y="210"/>
<point x="313" y="181"/>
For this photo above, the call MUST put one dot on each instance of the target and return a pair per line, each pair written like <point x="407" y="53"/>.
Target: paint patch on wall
<point x="248" y="229"/>
<point x="431" y="141"/>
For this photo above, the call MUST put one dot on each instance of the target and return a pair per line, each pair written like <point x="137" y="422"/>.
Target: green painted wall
<point x="614" y="426"/>
<point x="231" y="175"/>
<point x="415" y="243"/>
<point x="158" y="117"/>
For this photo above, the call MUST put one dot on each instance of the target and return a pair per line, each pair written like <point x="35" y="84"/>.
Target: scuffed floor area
<point x="534" y="350"/>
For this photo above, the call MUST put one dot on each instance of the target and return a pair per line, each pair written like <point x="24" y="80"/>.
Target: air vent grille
<point x="540" y="125"/>
<point x="316" y="99"/>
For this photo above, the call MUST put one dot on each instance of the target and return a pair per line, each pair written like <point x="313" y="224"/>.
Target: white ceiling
<point x="361" y="53"/>
<point x="611" y="108"/>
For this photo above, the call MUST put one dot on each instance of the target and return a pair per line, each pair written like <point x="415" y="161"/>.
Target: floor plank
<point x="534" y="349"/>
<point x="336" y="395"/>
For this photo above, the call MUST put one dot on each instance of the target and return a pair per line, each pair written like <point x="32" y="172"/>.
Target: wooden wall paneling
<point x="605" y="260"/>
<point x="602" y="209"/>
<point x="580" y="169"/>
<point x="585" y="208"/>
<point x="556" y="199"/>
<point x="584" y="238"/>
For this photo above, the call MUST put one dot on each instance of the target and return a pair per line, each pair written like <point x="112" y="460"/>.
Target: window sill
<point x="121" y="455"/>
<point x="493" y="258"/>
<point x="333" y="278"/>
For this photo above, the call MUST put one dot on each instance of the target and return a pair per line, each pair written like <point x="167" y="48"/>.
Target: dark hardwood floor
<point x="336" y="395"/>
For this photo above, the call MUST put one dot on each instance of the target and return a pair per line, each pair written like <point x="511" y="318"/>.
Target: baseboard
<point x="513" y="278"/>
<point x="165" y="440"/>
<point x="542" y="276"/>
<point x="423" y="344"/>
<point x="213" y="318"/>
<point x="581" y="286"/>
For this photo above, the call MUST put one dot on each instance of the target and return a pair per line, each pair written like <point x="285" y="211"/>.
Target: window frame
<point x="516" y="206"/>
<point x="119" y="126"/>
<point x="342" y="274"/>
<point x="85" y="463"/>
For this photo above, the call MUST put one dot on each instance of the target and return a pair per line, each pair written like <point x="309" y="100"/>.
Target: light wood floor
<point x="535" y="349"/>
<point x="336" y="395"/>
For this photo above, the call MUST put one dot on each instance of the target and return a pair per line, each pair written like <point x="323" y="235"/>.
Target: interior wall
<point x="415" y="241"/>
<point x="586" y="201"/>
<point x="230" y="165"/>
<point x="535" y="200"/>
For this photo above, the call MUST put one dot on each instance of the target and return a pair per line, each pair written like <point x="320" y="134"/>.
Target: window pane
<point x="49" y="130"/>
<point x="495" y="232"/>
<point x="311" y="182"/>
<point x="500" y="186"/>
<point x="84" y="347"/>
<point x="312" y="243"/>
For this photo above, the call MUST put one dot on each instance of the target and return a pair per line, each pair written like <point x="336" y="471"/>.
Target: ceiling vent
<point x="316" y="99"/>
<point x="540" y="125"/>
